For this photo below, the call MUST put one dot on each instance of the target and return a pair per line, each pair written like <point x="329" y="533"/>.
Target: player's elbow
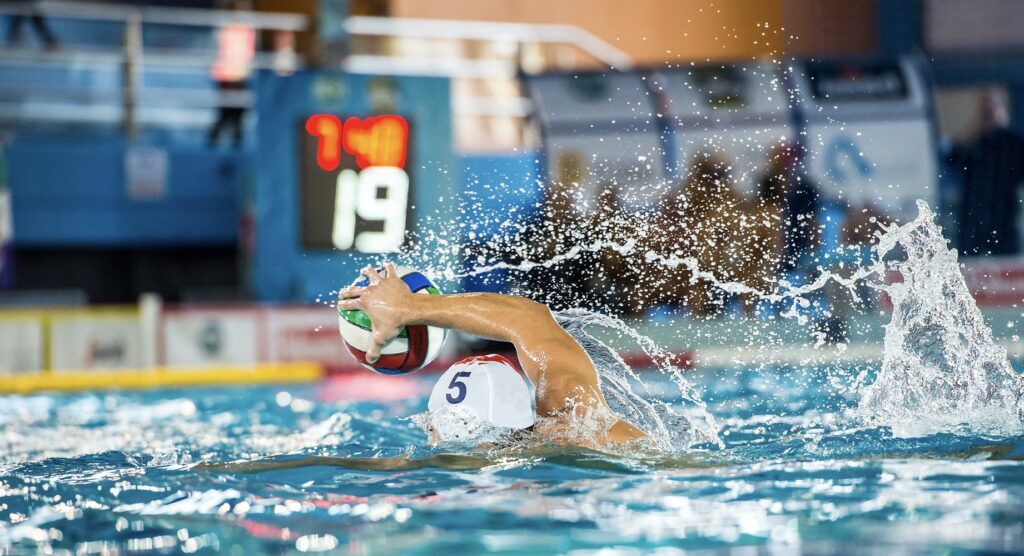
<point x="539" y="310"/>
<point x="537" y="330"/>
<point x="526" y="311"/>
<point x="541" y="320"/>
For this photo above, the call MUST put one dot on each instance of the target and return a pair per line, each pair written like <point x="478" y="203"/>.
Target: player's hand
<point x="384" y="299"/>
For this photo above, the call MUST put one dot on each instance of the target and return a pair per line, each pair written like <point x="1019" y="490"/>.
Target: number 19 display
<point x="354" y="189"/>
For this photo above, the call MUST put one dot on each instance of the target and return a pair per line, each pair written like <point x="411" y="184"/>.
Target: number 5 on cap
<point x="456" y="385"/>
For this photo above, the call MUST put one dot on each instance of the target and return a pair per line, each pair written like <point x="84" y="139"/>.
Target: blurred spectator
<point x="16" y="24"/>
<point x="859" y="228"/>
<point x="795" y="197"/>
<point x="285" y="58"/>
<point x="236" y="48"/>
<point x="951" y="187"/>
<point x="565" y="228"/>
<point x="993" y="169"/>
<point x="611" y="225"/>
<point x="726" y="235"/>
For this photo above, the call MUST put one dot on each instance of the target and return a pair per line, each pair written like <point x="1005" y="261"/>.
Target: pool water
<point x="328" y="471"/>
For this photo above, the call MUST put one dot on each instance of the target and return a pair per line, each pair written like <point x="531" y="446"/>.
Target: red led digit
<point x="327" y="129"/>
<point x="377" y="141"/>
<point x="391" y="134"/>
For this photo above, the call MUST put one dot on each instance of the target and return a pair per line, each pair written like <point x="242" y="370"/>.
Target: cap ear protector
<point x="481" y="393"/>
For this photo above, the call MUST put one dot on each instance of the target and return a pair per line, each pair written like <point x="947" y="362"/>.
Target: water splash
<point x="941" y="370"/>
<point x="783" y="291"/>
<point x="526" y="266"/>
<point x="671" y="428"/>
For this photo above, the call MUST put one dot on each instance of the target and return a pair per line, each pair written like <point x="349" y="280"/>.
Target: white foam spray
<point x="671" y="427"/>
<point x="942" y="371"/>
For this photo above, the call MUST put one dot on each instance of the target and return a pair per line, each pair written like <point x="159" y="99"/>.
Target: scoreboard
<point x="348" y="169"/>
<point x="353" y="182"/>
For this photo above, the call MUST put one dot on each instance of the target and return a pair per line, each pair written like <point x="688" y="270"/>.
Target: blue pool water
<point x="89" y="473"/>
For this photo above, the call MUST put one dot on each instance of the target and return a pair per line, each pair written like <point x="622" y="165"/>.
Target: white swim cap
<point x="485" y="392"/>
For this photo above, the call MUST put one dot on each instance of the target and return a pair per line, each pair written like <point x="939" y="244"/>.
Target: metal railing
<point x="197" y="17"/>
<point x="485" y="86"/>
<point x="178" y="106"/>
<point x="376" y="45"/>
<point x="486" y="31"/>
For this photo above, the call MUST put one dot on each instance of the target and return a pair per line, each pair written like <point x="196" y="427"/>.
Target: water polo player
<point x="478" y="397"/>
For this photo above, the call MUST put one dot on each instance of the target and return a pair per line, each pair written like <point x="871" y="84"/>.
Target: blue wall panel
<point x="73" y="192"/>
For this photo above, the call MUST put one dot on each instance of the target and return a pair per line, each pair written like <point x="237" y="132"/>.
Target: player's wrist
<point x="411" y="308"/>
<point x="421" y="309"/>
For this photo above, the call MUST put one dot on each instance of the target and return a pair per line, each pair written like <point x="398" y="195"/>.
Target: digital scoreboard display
<point x="354" y="189"/>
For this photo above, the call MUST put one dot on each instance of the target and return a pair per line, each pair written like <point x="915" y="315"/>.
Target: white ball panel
<point x="354" y="335"/>
<point x="435" y="341"/>
<point x="363" y="339"/>
<point x="398" y="345"/>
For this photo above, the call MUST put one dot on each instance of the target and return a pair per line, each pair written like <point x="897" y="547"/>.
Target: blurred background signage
<point x="146" y="173"/>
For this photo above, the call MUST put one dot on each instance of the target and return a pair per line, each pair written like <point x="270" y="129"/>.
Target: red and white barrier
<point x="995" y="282"/>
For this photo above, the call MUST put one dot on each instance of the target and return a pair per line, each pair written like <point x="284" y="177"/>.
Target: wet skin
<point x="568" y="388"/>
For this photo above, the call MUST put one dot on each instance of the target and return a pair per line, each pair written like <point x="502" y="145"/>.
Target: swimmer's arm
<point x="552" y="358"/>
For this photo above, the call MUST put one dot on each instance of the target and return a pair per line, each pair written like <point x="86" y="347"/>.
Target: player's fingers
<point x="350" y="292"/>
<point x="373" y="354"/>
<point x="349" y="304"/>
<point x="371" y="274"/>
<point x="392" y="270"/>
